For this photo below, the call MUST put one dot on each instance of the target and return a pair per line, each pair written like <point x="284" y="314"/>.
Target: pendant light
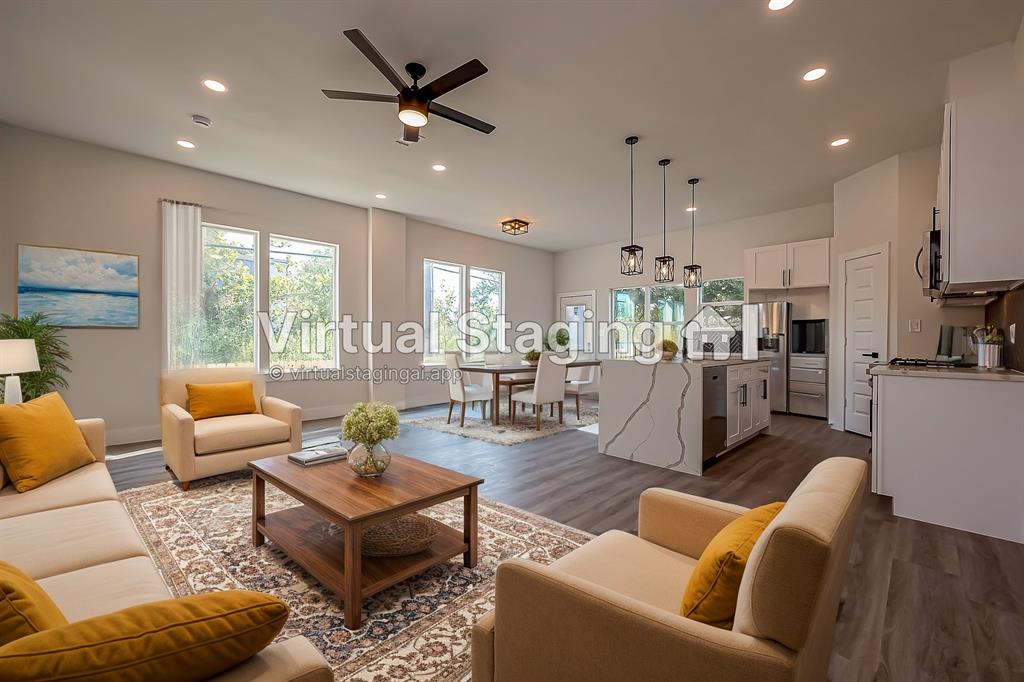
<point x="691" y="273"/>
<point x="632" y="256"/>
<point x="664" y="265"/>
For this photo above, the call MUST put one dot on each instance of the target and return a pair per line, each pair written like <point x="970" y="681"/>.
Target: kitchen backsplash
<point x="1002" y="312"/>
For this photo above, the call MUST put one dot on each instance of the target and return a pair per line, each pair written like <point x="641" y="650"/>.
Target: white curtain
<point x="183" y="236"/>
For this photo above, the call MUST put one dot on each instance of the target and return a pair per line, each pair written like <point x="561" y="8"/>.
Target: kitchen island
<point x="680" y="414"/>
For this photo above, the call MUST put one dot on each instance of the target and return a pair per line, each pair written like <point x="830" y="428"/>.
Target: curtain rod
<point x="186" y="203"/>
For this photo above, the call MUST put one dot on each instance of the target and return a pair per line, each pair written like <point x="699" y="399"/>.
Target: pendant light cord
<point x="631" y="193"/>
<point x="693" y="217"/>
<point x="664" y="210"/>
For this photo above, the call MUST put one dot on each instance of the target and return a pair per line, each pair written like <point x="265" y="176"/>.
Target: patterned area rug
<point x="418" y="630"/>
<point x="524" y="430"/>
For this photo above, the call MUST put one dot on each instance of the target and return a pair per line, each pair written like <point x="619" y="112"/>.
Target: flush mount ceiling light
<point x="186" y="144"/>
<point x="776" y="5"/>
<point x="692" y="276"/>
<point x="515" y="226"/>
<point x="691" y="209"/>
<point x="381" y="196"/>
<point x="439" y="167"/>
<point x="815" y="74"/>
<point x="839" y="142"/>
<point x="664" y="265"/>
<point x="216" y="86"/>
<point x="632" y="255"/>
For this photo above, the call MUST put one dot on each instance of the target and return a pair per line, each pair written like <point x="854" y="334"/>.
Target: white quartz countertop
<point x="949" y="373"/>
<point x="710" y="362"/>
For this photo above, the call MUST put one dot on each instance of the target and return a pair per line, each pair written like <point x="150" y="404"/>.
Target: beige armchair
<point x="609" y="611"/>
<point x="197" y="449"/>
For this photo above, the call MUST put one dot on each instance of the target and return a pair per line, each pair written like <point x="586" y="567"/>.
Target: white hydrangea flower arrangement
<point x="368" y="424"/>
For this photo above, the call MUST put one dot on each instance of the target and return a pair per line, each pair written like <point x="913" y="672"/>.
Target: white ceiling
<point x="712" y="84"/>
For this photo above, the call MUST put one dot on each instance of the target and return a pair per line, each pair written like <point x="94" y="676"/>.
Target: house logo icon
<point x="708" y="332"/>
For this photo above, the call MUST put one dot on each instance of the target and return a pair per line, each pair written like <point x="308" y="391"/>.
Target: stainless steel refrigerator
<point x="773" y="345"/>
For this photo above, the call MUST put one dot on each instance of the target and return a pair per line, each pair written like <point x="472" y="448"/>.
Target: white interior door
<point x="867" y="292"/>
<point x="575" y="308"/>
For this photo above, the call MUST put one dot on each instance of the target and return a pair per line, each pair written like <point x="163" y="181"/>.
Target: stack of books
<point x="308" y="458"/>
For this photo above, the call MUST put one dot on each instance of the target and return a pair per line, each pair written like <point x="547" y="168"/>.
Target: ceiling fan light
<point x="412" y="117"/>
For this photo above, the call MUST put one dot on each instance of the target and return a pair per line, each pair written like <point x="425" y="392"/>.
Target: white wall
<point x="719" y="250"/>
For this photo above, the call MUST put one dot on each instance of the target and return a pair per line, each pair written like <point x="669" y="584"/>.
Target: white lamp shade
<point x="18" y="356"/>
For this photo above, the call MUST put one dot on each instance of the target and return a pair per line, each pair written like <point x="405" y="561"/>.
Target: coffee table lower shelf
<point x="302" y="534"/>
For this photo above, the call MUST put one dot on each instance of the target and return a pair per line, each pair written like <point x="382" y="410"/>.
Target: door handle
<point x="764" y="390"/>
<point x="870" y="355"/>
<point x="743" y="395"/>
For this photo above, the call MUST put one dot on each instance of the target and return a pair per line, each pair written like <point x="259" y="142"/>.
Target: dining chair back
<point x="549" y="386"/>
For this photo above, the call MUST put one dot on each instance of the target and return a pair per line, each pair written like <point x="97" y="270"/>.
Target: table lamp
<point x="17" y="356"/>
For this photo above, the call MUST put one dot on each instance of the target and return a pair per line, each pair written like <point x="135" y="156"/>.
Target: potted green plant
<point x="668" y="348"/>
<point x="532" y="357"/>
<point x="990" y="345"/>
<point x="51" y="348"/>
<point x="367" y="425"/>
<point x="561" y="340"/>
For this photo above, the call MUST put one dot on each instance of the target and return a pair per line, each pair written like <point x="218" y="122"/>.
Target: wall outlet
<point x="1013" y="333"/>
<point x="915" y="326"/>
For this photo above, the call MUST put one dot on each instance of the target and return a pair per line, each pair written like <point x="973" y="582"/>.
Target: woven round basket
<point x="399" y="537"/>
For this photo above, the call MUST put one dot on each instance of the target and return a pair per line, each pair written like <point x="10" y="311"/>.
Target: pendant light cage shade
<point x="632" y="260"/>
<point x="632" y="255"/>
<point x="515" y="226"/>
<point x="692" y="277"/>
<point x="664" y="269"/>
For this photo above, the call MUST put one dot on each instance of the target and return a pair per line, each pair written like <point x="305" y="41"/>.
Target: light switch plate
<point x="915" y="326"/>
<point x="1013" y="333"/>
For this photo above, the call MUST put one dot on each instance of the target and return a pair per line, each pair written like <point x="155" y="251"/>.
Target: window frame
<point x="648" y="290"/>
<point x="720" y="304"/>
<point x="335" y="293"/>
<point x="499" y="330"/>
<point x="257" y="355"/>
<point x="428" y="357"/>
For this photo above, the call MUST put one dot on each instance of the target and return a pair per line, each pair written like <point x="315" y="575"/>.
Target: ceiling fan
<point x="415" y="102"/>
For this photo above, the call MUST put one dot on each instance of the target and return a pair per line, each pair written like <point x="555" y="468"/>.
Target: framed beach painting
<point x="79" y="288"/>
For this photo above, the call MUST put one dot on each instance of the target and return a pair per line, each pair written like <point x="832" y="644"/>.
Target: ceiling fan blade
<point x="361" y="96"/>
<point x="454" y="78"/>
<point x="411" y="134"/>
<point x="459" y="117"/>
<point x="375" y="57"/>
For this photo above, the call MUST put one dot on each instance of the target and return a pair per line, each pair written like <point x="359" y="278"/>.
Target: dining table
<point x="497" y="371"/>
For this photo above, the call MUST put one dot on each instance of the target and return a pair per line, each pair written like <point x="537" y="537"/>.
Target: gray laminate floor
<point x="921" y="602"/>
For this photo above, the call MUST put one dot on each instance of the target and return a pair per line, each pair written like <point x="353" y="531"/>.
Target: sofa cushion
<point x="714" y="586"/>
<point x="90" y="483"/>
<point x="219" y="434"/>
<point x="628" y="565"/>
<point x="61" y="540"/>
<point x="194" y="638"/>
<point x="104" y="588"/>
<point x="220" y="400"/>
<point x="25" y="608"/>
<point x="40" y="441"/>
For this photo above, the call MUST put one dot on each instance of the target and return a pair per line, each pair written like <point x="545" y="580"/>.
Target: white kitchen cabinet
<point x="981" y="181"/>
<point x="732" y="415"/>
<point x="796" y="265"/>
<point x="748" y="410"/>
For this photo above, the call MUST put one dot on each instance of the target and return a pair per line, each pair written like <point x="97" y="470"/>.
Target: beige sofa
<point x="197" y="449"/>
<point x="73" y="536"/>
<point x="609" y="611"/>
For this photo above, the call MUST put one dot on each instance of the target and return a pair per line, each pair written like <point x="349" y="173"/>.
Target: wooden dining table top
<point x="509" y="369"/>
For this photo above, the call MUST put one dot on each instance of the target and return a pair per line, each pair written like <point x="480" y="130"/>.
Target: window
<point x="666" y="306"/>
<point x="303" y="280"/>
<point x="443" y="295"/>
<point x="224" y="332"/>
<point x="627" y="307"/>
<point x="726" y="297"/>
<point x="487" y="297"/>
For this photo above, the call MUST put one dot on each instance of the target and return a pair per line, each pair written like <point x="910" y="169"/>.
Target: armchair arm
<point x="681" y="522"/>
<point x="178" y="440"/>
<point x="95" y="433"/>
<point x="290" y="414"/>
<point x="550" y="626"/>
<point x="293" y="660"/>
<point x="483" y="648"/>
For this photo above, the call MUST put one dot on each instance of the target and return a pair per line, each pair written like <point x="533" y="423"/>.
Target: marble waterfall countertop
<point x="981" y="373"/>
<point x="654" y="412"/>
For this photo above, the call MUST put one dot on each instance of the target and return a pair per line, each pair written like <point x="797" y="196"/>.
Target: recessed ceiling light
<point x="815" y="74"/>
<point x="840" y="142"/>
<point x="185" y="144"/>
<point x="381" y="196"/>
<point x="776" y="5"/>
<point x="440" y="167"/>
<point x="216" y="86"/>
<point x="691" y="209"/>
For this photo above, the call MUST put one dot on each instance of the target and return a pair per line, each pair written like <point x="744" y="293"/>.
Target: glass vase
<point x="369" y="460"/>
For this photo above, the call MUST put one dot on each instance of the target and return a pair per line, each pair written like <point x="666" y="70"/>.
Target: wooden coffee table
<point x="333" y="493"/>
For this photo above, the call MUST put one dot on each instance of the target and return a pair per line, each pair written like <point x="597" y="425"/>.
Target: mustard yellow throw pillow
<point x="39" y="441"/>
<point x="220" y="400"/>
<point x="714" y="585"/>
<point x="25" y="608"/>
<point x="177" y="640"/>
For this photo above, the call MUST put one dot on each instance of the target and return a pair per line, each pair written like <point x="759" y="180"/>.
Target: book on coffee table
<point x="319" y="456"/>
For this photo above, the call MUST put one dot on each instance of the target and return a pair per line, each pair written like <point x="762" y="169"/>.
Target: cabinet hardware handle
<point x="743" y="395"/>
<point x="764" y="389"/>
<point x="870" y="355"/>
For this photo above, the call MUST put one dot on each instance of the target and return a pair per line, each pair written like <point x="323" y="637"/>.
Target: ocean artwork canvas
<point x="78" y="288"/>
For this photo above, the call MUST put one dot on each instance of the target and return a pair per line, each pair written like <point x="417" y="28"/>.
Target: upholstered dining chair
<point x="548" y="388"/>
<point x="579" y="380"/>
<point x="198" y="448"/>
<point x="462" y="392"/>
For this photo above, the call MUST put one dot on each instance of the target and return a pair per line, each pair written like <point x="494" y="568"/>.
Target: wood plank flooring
<point x="920" y="602"/>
